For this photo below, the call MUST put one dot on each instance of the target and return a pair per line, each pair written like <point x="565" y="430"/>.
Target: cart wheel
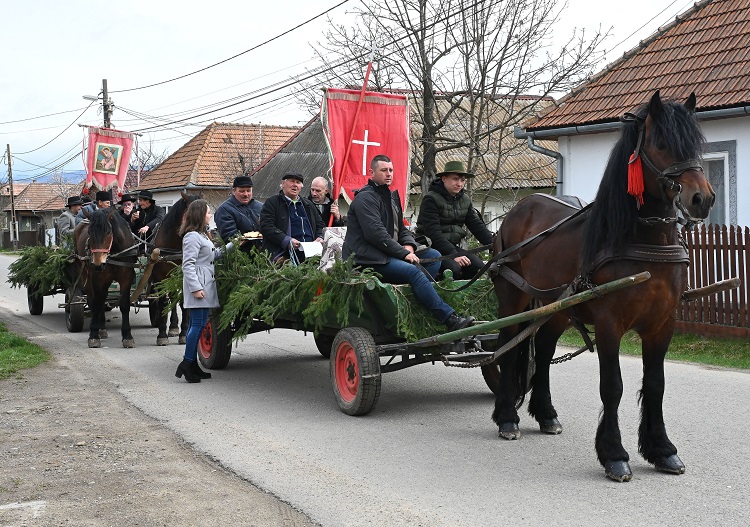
<point x="324" y="342"/>
<point x="215" y="348"/>
<point x="74" y="314"/>
<point x="355" y="371"/>
<point x="491" y="374"/>
<point x="36" y="300"/>
<point x="153" y="313"/>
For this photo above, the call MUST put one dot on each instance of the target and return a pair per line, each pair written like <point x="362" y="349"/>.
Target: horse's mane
<point x="173" y="219"/>
<point x="613" y="218"/>
<point x="102" y="223"/>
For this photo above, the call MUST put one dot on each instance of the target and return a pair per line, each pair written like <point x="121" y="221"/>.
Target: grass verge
<point x="17" y="353"/>
<point x="724" y="352"/>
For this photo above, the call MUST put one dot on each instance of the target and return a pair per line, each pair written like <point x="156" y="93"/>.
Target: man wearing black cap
<point x="103" y="201"/>
<point x="288" y="220"/>
<point x="127" y="205"/>
<point x="67" y="220"/>
<point x="147" y="216"/>
<point x="240" y="213"/>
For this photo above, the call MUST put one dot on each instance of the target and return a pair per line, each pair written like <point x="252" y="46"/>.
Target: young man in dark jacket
<point x="240" y="213"/>
<point x="147" y="217"/>
<point x="377" y="238"/>
<point x="444" y="215"/>
<point x="287" y="219"/>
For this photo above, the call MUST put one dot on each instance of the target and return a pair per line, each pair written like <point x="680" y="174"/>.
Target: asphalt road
<point x="428" y="455"/>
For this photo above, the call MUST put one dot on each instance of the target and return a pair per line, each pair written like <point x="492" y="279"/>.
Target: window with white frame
<point x="720" y="166"/>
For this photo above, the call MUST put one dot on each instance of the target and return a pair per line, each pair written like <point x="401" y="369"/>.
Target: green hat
<point x="455" y="167"/>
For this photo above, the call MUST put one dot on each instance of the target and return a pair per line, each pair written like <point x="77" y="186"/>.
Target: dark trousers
<point x="463" y="273"/>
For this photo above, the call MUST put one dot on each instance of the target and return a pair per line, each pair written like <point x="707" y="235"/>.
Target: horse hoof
<point x="128" y="343"/>
<point x="173" y="332"/>
<point x="162" y="341"/>
<point x="182" y="339"/>
<point x="103" y="334"/>
<point x="550" y="426"/>
<point x="509" y="431"/>
<point x="671" y="465"/>
<point x="95" y="343"/>
<point x="618" y="471"/>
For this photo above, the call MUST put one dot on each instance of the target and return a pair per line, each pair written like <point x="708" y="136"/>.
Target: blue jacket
<point x="232" y="217"/>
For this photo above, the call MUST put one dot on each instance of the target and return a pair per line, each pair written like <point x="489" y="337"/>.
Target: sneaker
<point x="456" y="322"/>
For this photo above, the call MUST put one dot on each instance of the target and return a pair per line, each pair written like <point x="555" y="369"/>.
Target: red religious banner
<point x="107" y="158"/>
<point x="360" y="125"/>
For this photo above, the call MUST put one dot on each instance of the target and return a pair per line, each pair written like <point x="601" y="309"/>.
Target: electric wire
<point x="58" y="135"/>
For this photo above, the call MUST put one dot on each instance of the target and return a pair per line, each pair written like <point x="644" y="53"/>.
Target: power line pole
<point x="13" y="222"/>
<point x="106" y="105"/>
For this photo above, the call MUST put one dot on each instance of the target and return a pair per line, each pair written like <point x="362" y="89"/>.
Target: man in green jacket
<point x="444" y="216"/>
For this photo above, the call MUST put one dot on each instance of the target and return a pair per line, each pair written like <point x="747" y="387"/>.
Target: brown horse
<point x="616" y="237"/>
<point x="107" y="252"/>
<point x="169" y="242"/>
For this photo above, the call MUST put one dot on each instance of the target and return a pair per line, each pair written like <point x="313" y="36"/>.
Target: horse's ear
<point x="185" y="196"/>
<point x="655" y="105"/>
<point x="690" y="103"/>
<point x="110" y="212"/>
<point x="86" y="212"/>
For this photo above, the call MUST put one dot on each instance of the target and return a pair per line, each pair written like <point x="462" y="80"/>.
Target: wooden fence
<point x="717" y="252"/>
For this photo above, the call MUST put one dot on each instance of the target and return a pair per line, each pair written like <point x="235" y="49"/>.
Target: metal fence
<point x="717" y="252"/>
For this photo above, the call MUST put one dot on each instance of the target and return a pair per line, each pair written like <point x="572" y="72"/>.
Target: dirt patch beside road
<point x="74" y="452"/>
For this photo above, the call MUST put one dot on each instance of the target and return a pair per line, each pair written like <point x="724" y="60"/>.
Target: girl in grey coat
<point x="198" y="283"/>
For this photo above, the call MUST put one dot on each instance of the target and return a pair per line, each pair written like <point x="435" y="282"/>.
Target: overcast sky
<point x="53" y="53"/>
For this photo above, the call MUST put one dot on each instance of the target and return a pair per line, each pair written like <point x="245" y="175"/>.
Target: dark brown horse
<point x="612" y="239"/>
<point x="107" y="253"/>
<point x="169" y="243"/>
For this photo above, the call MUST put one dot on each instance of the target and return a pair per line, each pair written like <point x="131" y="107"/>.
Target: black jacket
<point x="442" y="218"/>
<point x="151" y="216"/>
<point x="325" y="213"/>
<point x="274" y="223"/>
<point x="370" y="226"/>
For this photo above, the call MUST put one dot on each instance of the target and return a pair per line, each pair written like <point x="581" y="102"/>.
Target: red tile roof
<point x="211" y="158"/>
<point x="44" y="196"/>
<point x="705" y="50"/>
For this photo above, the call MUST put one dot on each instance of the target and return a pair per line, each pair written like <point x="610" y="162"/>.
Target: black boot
<point x="186" y="368"/>
<point x="197" y="371"/>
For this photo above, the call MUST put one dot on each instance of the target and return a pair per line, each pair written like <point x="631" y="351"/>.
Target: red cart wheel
<point x="214" y="347"/>
<point x="355" y="371"/>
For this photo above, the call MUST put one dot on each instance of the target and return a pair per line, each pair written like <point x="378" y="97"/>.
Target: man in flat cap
<point x="67" y="220"/>
<point x="287" y="219"/>
<point x="445" y="215"/>
<point x="103" y="201"/>
<point x="240" y="213"/>
<point x="148" y="215"/>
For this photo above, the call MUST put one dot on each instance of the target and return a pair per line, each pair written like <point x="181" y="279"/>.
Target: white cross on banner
<point x="376" y="124"/>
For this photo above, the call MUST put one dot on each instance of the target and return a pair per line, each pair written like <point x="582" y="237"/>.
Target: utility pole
<point x="13" y="223"/>
<point x="106" y="105"/>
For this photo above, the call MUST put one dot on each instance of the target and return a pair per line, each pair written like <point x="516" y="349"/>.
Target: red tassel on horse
<point x="635" y="178"/>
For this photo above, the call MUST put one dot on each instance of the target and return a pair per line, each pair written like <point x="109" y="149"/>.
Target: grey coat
<point x="198" y="256"/>
<point x="66" y="223"/>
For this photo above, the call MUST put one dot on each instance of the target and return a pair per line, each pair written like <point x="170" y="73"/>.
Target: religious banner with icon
<point x="360" y="125"/>
<point x="107" y="158"/>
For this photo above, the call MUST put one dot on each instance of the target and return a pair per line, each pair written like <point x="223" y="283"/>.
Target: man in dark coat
<point x="287" y="219"/>
<point x="377" y="238"/>
<point x="127" y="205"/>
<point x="444" y="215"/>
<point x="320" y="195"/>
<point x="239" y="213"/>
<point x="103" y="201"/>
<point x="147" y="217"/>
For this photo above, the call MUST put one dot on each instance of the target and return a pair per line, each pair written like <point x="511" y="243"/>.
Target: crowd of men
<point x="376" y="234"/>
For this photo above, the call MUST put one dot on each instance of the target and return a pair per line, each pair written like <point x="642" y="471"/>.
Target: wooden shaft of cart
<point x="146" y="274"/>
<point x="549" y="309"/>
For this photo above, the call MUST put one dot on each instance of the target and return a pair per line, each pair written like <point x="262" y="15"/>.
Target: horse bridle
<point x="666" y="178"/>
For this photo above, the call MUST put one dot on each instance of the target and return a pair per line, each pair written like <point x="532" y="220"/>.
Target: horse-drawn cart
<point x="371" y="343"/>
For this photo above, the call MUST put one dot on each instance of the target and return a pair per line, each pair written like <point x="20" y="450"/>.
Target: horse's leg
<point x="125" y="285"/>
<point x="184" y="324"/>
<point x="162" y="339"/>
<point x="540" y="402"/>
<point x="96" y="304"/>
<point x="653" y="443"/>
<point x="609" y="450"/>
<point x="174" y="323"/>
<point x="505" y="414"/>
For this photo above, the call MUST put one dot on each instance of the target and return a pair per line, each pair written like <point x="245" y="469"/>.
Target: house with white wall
<point x="705" y="50"/>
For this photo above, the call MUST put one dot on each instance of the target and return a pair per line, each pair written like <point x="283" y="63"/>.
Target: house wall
<point x="586" y="155"/>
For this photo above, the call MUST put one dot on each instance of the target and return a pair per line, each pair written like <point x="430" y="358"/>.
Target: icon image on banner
<point x="108" y="158"/>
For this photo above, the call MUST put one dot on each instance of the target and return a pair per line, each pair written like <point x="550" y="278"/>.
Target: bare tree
<point x="467" y="65"/>
<point x="63" y="185"/>
<point x="145" y="157"/>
